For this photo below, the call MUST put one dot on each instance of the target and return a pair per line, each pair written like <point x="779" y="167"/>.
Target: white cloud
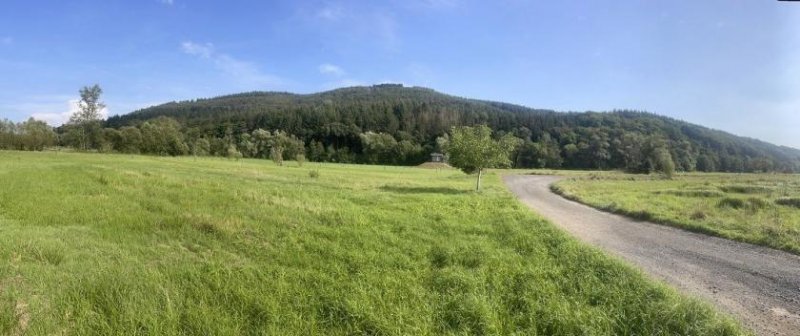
<point x="53" y="112"/>
<point x="202" y="50"/>
<point x="247" y="73"/>
<point x="168" y="2"/>
<point x="330" y="69"/>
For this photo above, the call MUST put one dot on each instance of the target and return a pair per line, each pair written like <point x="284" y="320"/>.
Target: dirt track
<point x="760" y="286"/>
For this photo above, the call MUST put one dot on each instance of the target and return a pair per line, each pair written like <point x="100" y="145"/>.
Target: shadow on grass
<point x="422" y="190"/>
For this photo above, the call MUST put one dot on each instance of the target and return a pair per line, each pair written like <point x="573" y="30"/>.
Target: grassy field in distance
<point x="97" y="244"/>
<point x="761" y="209"/>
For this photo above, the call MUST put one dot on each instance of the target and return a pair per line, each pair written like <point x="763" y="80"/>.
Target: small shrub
<point x="313" y="173"/>
<point x="789" y="201"/>
<point x="300" y="159"/>
<point x="729" y="202"/>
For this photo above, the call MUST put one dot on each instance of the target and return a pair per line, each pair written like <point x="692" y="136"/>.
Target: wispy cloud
<point x="247" y="73"/>
<point x="196" y="49"/>
<point x="336" y="71"/>
<point x="439" y="3"/>
<point x="330" y="12"/>
<point x="330" y="69"/>
<point x="343" y="24"/>
<point x="167" y="2"/>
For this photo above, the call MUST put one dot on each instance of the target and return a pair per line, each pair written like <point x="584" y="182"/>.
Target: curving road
<point x="760" y="286"/>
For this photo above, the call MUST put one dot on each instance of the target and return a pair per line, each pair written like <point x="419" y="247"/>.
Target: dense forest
<point x="392" y="124"/>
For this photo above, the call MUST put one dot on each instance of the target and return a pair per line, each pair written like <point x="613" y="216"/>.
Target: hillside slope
<point x="332" y="122"/>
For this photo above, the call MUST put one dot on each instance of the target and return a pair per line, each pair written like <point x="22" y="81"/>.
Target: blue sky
<point x="729" y="64"/>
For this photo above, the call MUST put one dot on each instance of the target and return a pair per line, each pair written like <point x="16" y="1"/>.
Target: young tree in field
<point x="86" y="121"/>
<point x="89" y="105"/>
<point x="472" y="150"/>
<point x="663" y="162"/>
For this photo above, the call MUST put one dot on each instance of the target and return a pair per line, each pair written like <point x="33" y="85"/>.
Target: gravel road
<point x="760" y="286"/>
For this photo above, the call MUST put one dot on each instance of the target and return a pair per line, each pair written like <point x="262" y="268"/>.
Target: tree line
<point x="402" y="126"/>
<point x="33" y="135"/>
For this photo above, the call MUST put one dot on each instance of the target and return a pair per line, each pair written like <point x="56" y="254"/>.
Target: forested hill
<point x="400" y="125"/>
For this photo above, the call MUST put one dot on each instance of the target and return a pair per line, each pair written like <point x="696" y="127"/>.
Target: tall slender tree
<point x="85" y="123"/>
<point x="90" y="106"/>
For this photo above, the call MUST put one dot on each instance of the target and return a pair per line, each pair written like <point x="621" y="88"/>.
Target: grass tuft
<point x="789" y="201"/>
<point x="747" y="189"/>
<point x="691" y="193"/>
<point x="698" y="215"/>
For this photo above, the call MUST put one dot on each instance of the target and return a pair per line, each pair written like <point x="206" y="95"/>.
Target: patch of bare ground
<point x="435" y="165"/>
<point x="23" y="318"/>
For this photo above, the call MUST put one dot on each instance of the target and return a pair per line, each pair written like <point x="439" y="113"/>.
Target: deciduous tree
<point x="472" y="150"/>
<point x="85" y="123"/>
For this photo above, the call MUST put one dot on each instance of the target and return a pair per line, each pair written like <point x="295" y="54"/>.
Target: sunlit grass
<point x="114" y="244"/>
<point x="754" y="208"/>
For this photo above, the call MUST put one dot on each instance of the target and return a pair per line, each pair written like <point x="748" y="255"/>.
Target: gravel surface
<point x="759" y="285"/>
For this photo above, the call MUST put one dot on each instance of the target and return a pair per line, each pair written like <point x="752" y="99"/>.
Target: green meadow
<point x="97" y="244"/>
<point x="762" y="209"/>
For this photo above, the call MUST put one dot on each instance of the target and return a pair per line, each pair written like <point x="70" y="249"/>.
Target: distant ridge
<point x="586" y="140"/>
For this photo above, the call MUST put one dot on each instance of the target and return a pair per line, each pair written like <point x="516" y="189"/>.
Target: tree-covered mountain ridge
<point x="333" y="125"/>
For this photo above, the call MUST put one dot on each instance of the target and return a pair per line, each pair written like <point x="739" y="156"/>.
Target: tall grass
<point x="131" y="245"/>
